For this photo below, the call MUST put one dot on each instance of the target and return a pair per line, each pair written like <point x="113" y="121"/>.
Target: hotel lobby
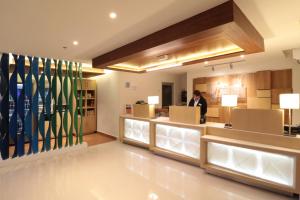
<point x="150" y="100"/>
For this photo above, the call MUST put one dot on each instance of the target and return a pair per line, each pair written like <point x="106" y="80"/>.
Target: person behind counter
<point x="199" y="100"/>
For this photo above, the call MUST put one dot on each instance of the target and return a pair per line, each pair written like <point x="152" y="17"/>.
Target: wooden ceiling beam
<point x="223" y="22"/>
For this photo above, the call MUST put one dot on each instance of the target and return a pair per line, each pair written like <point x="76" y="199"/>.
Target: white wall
<point x="112" y="95"/>
<point x="296" y="88"/>
<point x="144" y="85"/>
<point x="108" y="99"/>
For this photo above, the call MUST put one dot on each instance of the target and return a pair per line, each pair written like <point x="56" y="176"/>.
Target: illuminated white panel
<point x="137" y="130"/>
<point x="180" y="140"/>
<point x="269" y="166"/>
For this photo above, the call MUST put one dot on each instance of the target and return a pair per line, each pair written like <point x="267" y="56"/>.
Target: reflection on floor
<point x="90" y="139"/>
<point x="97" y="138"/>
<point x="115" y="171"/>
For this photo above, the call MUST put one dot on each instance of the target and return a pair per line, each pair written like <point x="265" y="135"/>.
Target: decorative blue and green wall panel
<point x="39" y="104"/>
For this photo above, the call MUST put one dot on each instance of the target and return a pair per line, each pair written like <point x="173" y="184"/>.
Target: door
<point x="167" y="94"/>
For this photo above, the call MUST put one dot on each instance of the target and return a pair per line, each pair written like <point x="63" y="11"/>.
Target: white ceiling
<point x="43" y="27"/>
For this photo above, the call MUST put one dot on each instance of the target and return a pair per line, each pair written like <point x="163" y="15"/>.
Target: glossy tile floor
<point x="90" y="139"/>
<point x="115" y="171"/>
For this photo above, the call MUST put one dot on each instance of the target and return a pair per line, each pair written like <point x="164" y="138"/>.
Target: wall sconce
<point x="229" y="101"/>
<point x="289" y="101"/>
<point x="231" y="66"/>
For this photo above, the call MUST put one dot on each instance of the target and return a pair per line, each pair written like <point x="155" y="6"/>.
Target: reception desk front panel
<point x="137" y="130"/>
<point x="184" y="141"/>
<point x="273" y="167"/>
<point x="260" y="159"/>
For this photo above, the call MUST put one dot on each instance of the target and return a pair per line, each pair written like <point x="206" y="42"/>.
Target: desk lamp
<point x="152" y="100"/>
<point x="289" y="101"/>
<point x="229" y="101"/>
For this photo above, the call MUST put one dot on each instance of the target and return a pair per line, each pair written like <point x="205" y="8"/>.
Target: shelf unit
<point x="89" y="101"/>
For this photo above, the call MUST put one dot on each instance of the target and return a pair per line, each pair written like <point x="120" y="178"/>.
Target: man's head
<point x="196" y="94"/>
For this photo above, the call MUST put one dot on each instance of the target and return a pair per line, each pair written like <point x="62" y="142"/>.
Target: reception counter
<point x="176" y="140"/>
<point x="135" y="130"/>
<point x="264" y="160"/>
<point x="260" y="159"/>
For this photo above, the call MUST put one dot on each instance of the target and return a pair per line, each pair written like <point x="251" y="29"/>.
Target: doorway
<point x="167" y="94"/>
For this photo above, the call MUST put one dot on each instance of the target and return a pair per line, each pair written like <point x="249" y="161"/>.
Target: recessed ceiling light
<point x="113" y="15"/>
<point x="75" y="42"/>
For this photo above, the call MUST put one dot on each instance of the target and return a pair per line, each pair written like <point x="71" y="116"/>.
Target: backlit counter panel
<point x="273" y="167"/>
<point x="137" y="130"/>
<point x="184" y="141"/>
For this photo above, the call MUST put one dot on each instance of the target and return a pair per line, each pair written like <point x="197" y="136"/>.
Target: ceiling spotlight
<point x="75" y="43"/>
<point x="213" y="68"/>
<point x="242" y="56"/>
<point x="113" y="15"/>
<point x="231" y="65"/>
<point x="206" y="62"/>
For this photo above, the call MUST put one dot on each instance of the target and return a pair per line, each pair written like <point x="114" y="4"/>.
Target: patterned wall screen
<point x="39" y="104"/>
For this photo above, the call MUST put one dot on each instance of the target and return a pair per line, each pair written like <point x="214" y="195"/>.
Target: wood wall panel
<point x="257" y="84"/>
<point x="263" y="93"/>
<point x="257" y="120"/>
<point x="276" y="92"/>
<point x="281" y="79"/>
<point x="258" y="103"/>
<point x="251" y="87"/>
<point x="263" y="80"/>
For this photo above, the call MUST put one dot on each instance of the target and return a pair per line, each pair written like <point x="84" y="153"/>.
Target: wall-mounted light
<point x="164" y="67"/>
<point x="225" y="63"/>
<point x="212" y="68"/>
<point x="113" y="15"/>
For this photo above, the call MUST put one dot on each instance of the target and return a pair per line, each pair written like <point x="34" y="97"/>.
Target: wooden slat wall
<point x="274" y="82"/>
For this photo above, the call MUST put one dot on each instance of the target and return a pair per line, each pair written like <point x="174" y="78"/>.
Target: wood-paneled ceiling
<point x="222" y="31"/>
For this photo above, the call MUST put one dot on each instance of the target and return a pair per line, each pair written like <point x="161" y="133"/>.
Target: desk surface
<point x="166" y="120"/>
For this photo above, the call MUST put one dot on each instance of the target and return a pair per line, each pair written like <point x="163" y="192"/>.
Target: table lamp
<point x="229" y="101"/>
<point x="289" y="101"/>
<point x="152" y="100"/>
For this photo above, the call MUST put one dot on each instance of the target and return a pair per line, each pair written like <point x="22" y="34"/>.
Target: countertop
<point x="165" y="120"/>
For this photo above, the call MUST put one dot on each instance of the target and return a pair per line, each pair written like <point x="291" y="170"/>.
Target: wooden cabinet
<point x="89" y="102"/>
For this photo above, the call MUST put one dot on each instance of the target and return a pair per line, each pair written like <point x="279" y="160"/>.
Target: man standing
<point x="199" y="100"/>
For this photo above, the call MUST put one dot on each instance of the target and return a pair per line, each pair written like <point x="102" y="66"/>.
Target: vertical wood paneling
<point x="277" y="82"/>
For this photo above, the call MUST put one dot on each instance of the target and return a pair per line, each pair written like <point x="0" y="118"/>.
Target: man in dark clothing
<point x="199" y="100"/>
